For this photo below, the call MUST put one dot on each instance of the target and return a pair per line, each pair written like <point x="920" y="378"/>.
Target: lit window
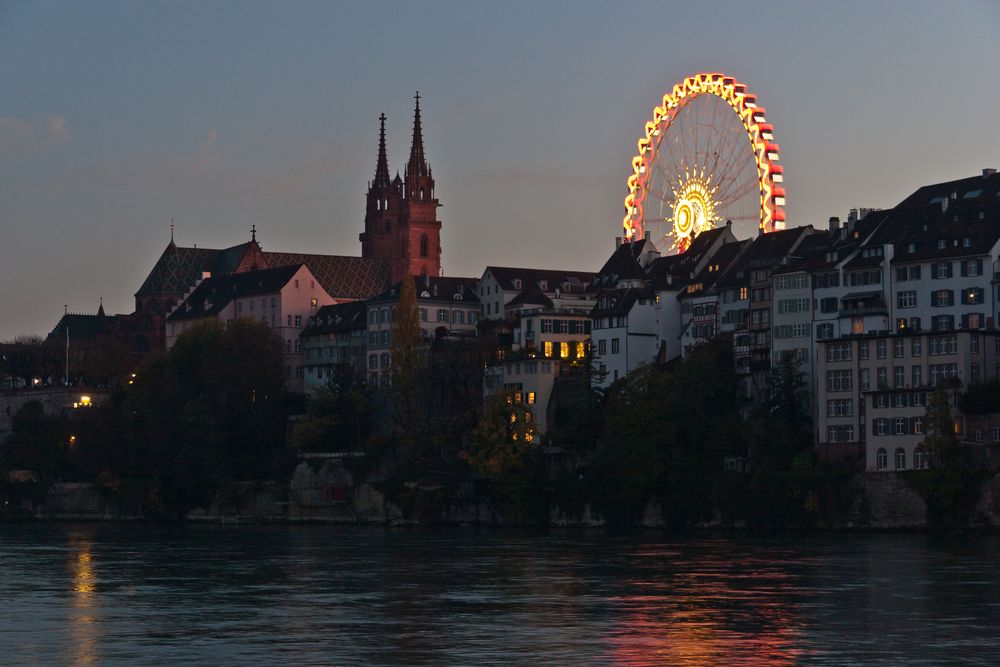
<point x="564" y="350"/>
<point x="547" y="345"/>
<point x="531" y="398"/>
<point x="580" y="350"/>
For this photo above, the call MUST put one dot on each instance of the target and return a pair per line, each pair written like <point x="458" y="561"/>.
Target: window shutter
<point x="965" y="270"/>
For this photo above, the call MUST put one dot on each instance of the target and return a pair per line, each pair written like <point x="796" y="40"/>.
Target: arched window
<point x="900" y="458"/>
<point x="423" y="245"/>
<point x="919" y="459"/>
<point x="881" y="459"/>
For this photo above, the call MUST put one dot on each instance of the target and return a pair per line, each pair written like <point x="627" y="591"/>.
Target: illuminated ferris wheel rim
<point x="759" y="132"/>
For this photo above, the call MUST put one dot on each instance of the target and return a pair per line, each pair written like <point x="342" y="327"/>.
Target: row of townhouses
<point x="877" y="310"/>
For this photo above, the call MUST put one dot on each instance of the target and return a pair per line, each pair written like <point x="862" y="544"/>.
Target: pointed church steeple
<point x="100" y="309"/>
<point x="382" y="166"/>
<point x="417" y="165"/>
<point x="419" y="183"/>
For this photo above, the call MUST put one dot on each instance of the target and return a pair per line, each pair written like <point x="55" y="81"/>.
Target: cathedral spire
<point x="382" y="167"/>
<point x="417" y="166"/>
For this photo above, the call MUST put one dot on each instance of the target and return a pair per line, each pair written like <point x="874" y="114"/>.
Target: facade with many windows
<point x="549" y="336"/>
<point x="874" y="389"/>
<point x="444" y="305"/>
<point x="334" y="343"/>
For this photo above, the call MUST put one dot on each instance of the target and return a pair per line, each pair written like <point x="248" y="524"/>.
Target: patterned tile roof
<point x="342" y="277"/>
<point x="178" y="269"/>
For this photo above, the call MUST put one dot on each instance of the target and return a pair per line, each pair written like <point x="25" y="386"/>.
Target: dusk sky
<point x="117" y="117"/>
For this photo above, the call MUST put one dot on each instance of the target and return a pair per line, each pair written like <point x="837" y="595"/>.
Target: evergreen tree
<point x="406" y="356"/>
<point x="784" y="415"/>
<point x="941" y="444"/>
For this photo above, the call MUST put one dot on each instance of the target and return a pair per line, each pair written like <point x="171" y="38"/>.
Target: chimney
<point x="988" y="172"/>
<point x="834" y="223"/>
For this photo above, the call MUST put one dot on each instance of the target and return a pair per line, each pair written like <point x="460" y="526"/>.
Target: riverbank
<point x="859" y="502"/>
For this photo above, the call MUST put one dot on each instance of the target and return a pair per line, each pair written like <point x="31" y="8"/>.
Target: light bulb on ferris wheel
<point x="707" y="156"/>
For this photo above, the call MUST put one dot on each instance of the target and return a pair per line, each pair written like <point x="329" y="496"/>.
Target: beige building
<point x="283" y="298"/>
<point x="873" y="391"/>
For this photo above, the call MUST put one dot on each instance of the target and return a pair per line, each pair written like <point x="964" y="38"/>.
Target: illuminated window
<point x="531" y="398"/>
<point x="548" y="348"/>
<point x="743" y="294"/>
<point x="580" y="350"/>
<point x="513" y="417"/>
<point x="564" y="350"/>
<point x="958" y="425"/>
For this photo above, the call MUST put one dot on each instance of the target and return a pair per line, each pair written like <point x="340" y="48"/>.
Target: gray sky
<point x="117" y="116"/>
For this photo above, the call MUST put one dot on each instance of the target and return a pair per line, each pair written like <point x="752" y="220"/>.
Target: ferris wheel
<point x="707" y="157"/>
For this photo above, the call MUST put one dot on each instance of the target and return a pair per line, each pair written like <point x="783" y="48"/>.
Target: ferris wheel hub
<point x="694" y="210"/>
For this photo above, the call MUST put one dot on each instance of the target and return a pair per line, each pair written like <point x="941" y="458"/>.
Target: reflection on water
<point x="85" y="595"/>
<point x="83" y="631"/>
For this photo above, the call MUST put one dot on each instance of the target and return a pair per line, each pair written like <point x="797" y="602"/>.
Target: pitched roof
<point x="506" y="276"/>
<point x="179" y="268"/>
<point x="337" y="318"/>
<point x="531" y="296"/>
<point x="619" y="301"/>
<point x="82" y="327"/>
<point x="342" y="277"/>
<point x="214" y="294"/>
<point x="766" y="250"/>
<point x="623" y="264"/>
<point x="437" y="288"/>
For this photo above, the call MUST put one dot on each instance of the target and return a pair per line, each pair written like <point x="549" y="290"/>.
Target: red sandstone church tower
<point x="401" y="223"/>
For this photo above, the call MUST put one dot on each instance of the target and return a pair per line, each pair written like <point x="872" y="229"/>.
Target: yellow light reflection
<point x="84" y="630"/>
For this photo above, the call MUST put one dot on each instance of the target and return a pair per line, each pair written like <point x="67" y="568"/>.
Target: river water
<point x="137" y="595"/>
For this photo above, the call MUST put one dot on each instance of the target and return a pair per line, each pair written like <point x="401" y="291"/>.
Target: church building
<point x="401" y="237"/>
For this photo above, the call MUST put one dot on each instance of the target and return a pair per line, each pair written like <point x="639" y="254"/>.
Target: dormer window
<point x="543" y="285"/>
<point x="942" y="244"/>
<point x="967" y="242"/>
<point x="912" y="248"/>
<point x="517" y="283"/>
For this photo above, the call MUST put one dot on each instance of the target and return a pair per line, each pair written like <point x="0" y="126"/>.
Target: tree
<point x="38" y="442"/>
<point x="504" y="451"/>
<point x="576" y="407"/>
<point x="338" y="417"/>
<point x="405" y="353"/>
<point x="209" y="410"/>
<point x="784" y="414"/>
<point x="941" y="443"/>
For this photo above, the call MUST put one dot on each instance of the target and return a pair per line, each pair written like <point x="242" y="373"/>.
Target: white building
<point x="500" y="284"/>
<point x="550" y="337"/>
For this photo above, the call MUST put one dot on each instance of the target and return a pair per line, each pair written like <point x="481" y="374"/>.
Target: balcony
<point x="860" y="304"/>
